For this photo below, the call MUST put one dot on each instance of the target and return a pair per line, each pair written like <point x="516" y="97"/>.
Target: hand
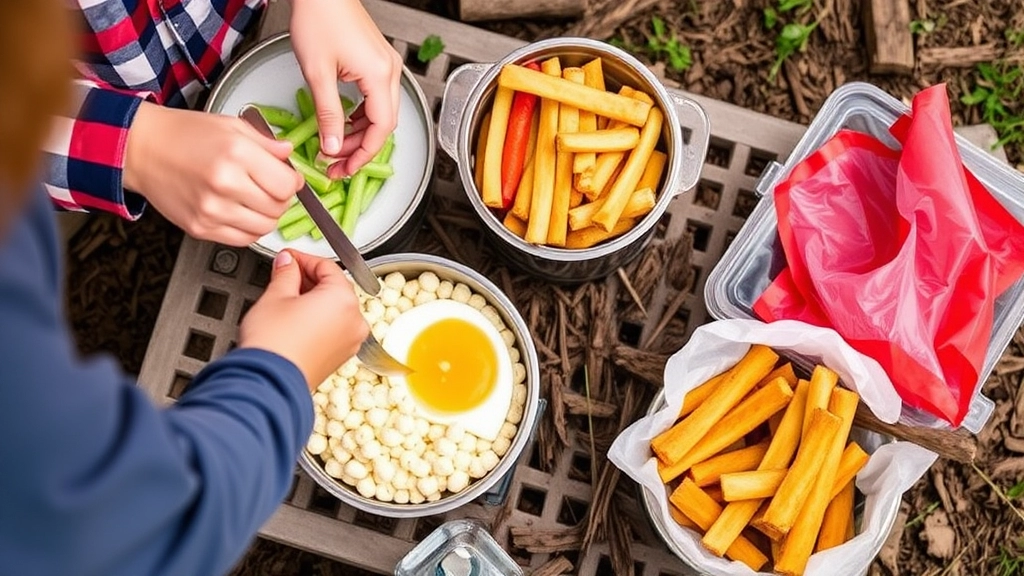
<point x="214" y="176"/>
<point x="309" y="314"/>
<point x="336" y="39"/>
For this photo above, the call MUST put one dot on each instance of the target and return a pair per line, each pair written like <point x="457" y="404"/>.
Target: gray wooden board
<point x="311" y="519"/>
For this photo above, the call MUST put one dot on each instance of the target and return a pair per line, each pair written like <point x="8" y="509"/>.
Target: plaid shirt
<point x="164" y="51"/>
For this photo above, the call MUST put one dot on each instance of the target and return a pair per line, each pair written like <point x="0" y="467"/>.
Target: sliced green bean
<point x="304" y="131"/>
<point x="356" y="189"/>
<point x="375" y="184"/>
<point x="297" y="229"/>
<point x="279" y="117"/>
<point x="378" y="170"/>
<point x="318" y="181"/>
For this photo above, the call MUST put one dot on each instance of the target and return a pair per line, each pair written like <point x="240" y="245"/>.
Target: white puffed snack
<point x="379" y="329"/>
<point x="461" y="293"/>
<point x="491" y="313"/>
<point x="364" y="434"/>
<point x="444" y="289"/>
<point x="385" y="493"/>
<point x="445" y="447"/>
<point x="476" y="468"/>
<point x="513" y="353"/>
<point x="436" y="431"/>
<point x="408" y="459"/>
<point x="392" y="314"/>
<point x="405" y="424"/>
<point x="461" y="460"/>
<point x="423" y="297"/>
<point x="401" y="478"/>
<point x="394" y="280"/>
<point x="411" y="289"/>
<point x="420" y="468"/>
<point x="348" y="480"/>
<point x="338" y="411"/>
<point x="434" y="497"/>
<point x="508" y="337"/>
<point x="316" y="444"/>
<point x="320" y="423"/>
<point x="380" y="396"/>
<point x="356" y="469"/>
<point x="389" y="297"/>
<point x="501" y="445"/>
<point x="519" y="394"/>
<point x="427" y="485"/>
<point x="391" y="438"/>
<point x="362" y="400"/>
<point x="336" y="429"/>
<point x="370" y="450"/>
<point x="482" y="446"/>
<point x="421" y="427"/>
<point x="320" y="399"/>
<point x="415" y="497"/>
<point x="455" y="432"/>
<point x="376" y="417"/>
<point x="518" y="373"/>
<point x="348" y="441"/>
<point x="468" y="443"/>
<point x="384" y="469"/>
<point x="430" y="456"/>
<point x="334" y="469"/>
<point x="508" y="430"/>
<point x="515" y="413"/>
<point x="366" y="487"/>
<point x="477" y="301"/>
<point x="326" y="386"/>
<point x="458" y="481"/>
<point x="401" y="496"/>
<point x="349" y="369"/>
<point x="429" y="282"/>
<point x="443" y="466"/>
<point x="365" y="375"/>
<point x="404" y="304"/>
<point x="489" y="459"/>
<point x="340" y="454"/>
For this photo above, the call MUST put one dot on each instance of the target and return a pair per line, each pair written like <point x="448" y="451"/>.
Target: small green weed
<point x="1009" y="563"/>
<point x="431" y="48"/>
<point x="663" y="45"/>
<point x="997" y="92"/>
<point x="920" y="517"/>
<point x="927" y="25"/>
<point x="793" y="36"/>
<point x="1016" y="491"/>
<point x="1015" y="37"/>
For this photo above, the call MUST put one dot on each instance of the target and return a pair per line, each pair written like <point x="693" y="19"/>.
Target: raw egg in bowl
<point x="449" y="432"/>
<point x="462" y="371"/>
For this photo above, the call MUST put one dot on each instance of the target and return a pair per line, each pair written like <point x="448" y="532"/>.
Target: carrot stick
<point x="751" y="485"/>
<point x="640" y="203"/>
<point x="568" y="123"/>
<point x="652" y="172"/>
<point x="682" y="519"/>
<point x="515" y="225"/>
<point x="617" y="197"/>
<point x="576" y="199"/>
<point x="785" y="371"/>
<point x="544" y="164"/>
<point x="709" y="471"/>
<point x="577" y="95"/>
<point x="823" y="381"/>
<point x="697" y="505"/>
<point x="837" y="519"/>
<point x="500" y="113"/>
<point x="780" y="452"/>
<point x="478" y="159"/>
<point x="593" y="235"/>
<point x="853" y="459"/>
<point x="674" y="443"/>
<point x="514" y="152"/>
<point x="699" y="394"/>
<point x="746" y="416"/>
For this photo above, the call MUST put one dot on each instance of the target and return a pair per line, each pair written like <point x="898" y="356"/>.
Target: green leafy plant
<point x="1009" y="563"/>
<point x="664" y="45"/>
<point x="1015" y="37"/>
<point x="997" y="92"/>
<point x="1016" y="491"/>
<point x="927" y="25"/>
<point x="793" y="38"/>
<point x="799" y="6"/>
<point x="771" y="18"/>
<point x="431" y="48"/>
<point x="924" y="514"/>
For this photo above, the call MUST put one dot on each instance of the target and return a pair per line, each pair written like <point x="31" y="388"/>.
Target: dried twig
<point x="546" y="541"/>
<point x="632" y="291"/>
<point x="554" y="567"/>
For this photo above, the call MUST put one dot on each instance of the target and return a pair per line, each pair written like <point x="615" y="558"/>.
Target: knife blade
<point x="347" y="252"/>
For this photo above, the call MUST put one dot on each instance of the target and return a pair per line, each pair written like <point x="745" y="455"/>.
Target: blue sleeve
<point x="99" y="480"/>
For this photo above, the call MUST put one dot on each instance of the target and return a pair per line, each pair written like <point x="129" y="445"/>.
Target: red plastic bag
<point x="903" y="253"/>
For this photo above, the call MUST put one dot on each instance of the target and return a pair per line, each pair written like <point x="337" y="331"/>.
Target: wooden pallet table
<point x="212" y="286"/>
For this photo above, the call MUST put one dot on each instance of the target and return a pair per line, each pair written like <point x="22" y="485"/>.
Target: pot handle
<point x="693" y="121"/>
<point x="457" y="89"/>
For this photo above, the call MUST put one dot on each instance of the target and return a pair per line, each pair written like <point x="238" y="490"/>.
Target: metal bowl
<point x="269" y="74"/>
<point x="468" y="94"/>
<point x="869" y="441"/>
<point x="412" y="265"/>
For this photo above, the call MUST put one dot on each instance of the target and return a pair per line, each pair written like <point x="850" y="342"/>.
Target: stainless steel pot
<point x="412" y="265"/>
<point x="468" y="94"/>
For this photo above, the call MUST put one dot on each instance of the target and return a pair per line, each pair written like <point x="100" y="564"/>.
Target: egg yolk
<point x="454" y="366"/>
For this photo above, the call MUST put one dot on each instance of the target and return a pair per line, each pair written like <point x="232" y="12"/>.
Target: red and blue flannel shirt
<point x="165" y="51"/>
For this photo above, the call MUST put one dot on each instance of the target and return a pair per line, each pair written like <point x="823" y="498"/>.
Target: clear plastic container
<point x="755" y="256"/>
<point x="458" y="548"/>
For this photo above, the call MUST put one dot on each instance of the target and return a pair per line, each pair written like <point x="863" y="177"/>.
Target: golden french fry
<point x="651" y="176"/>
<point x="715" y="492"/>
<point x="514" y="225"/>
<point x="495" y="144"/>
<point x="604" y="170"/>
<point x="696" y="504"/>
<point x="682" y="519"/>
<point x="709" y="471"/>
<point x="837" y="519"/>
<point x="593" y="235"/>
<point x="754" y="484"/>
<point x="699" y="394"/>
<point x="616" y="198"/>
<point x="580" y="96"/>
<point x="544" y="163"/>
<point x="640" y="203"/>
<point x="617" y="140"/>
<point x="780" y="452"/>
<point x="784" y="371"/>
<point x="799" y="543"/>
<point x="823" y="381"/>
<point x="568" y="123"/>
<point x="796" y="487"/>
<point x="641" y="96"/>
<point x="593" y="76"/>
<point x="853" y="459"/>
<point x="739" y="421"/>
<point x="478" y="159"/>
<point x="674" y="443"/>
<point x="773" y="423"/>
<point x="576" y="199"/>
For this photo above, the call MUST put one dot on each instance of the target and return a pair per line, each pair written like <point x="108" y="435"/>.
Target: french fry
<point x="838" y="516"/>
<point x="776" y="547"/>
<point x="709" y="471"/>
<point x="568" y="123"/>
<point x="780" y="452"/>
<point x="524" y="193"/>
<point x="576" y="199"/>
<point x="785" y="371"/>
<point x="799" y="543"/>
<point x="641" y="96"/>
<point x="755" y="484"/>
<point x="588" y="237"/>
<point x="481" y="146"/>
<point x="715" y="492"/>
<point x="698" y="506"/>
<point x="699" y="394"/>
<point x="682" y="519"/>
<point x="796" y="487"/>
<point x="653" y="170"/>
<point x="674" y="443"/>
<point x="579" y="96"/>
<point x="853" y="459"/>
<point x="514" y="224"/>
<point x="823" y="381"/>
<point x="598" y="140"/>
<point x="739" y="421"/>
<point x="593" y="76"/>
<point x="640" y="203"/>
<point x="617" y="197"/>
<point x="773" y="423"/>
<point x="495" y="143"/>
<point x="544" y="162"/>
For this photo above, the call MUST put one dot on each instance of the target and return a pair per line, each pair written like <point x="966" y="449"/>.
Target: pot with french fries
<point x="570" y="151"/>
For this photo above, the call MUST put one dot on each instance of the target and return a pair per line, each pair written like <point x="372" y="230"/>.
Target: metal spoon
<point x="371" y="353"/>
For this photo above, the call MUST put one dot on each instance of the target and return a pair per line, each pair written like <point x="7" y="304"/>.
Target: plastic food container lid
<point x="755" y="257"/>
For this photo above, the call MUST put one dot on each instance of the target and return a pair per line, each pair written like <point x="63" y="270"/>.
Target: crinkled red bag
<point x="902" y="252"/>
